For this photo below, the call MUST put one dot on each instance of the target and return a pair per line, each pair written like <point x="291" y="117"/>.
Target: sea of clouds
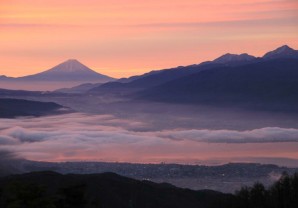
<point x="79" y="136"/>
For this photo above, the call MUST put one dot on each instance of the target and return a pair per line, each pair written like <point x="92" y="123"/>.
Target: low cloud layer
<point x="104" y="137"/>
<point x="263" y="135"/>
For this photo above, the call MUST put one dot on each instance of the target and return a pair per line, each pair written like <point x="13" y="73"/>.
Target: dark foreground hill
<point x="109" y="190"/>
<point x="49" y="189"/>
<point x="11" y="108"/>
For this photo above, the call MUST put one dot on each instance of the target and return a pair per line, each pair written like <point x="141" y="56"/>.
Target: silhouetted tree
<point x="243" y="197"/>
<point x="258" y="196"/>
<point x="22" y="195"/>
<point x="72" y="197"/>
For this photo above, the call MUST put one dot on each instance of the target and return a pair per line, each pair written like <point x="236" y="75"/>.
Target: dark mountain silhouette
<point x="70" y="70"/>
<point x="10" y="108"/>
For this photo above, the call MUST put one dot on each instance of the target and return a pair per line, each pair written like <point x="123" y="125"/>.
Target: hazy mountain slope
<point x="132" y="78"/>
<point x="7" y="92"/>
<point x="79" y="89"/>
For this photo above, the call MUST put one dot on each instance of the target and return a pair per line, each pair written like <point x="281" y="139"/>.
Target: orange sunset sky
<point x="120" y="38"/>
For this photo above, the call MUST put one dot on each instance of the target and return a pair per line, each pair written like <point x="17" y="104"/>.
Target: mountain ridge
<point x="228" y="58"/>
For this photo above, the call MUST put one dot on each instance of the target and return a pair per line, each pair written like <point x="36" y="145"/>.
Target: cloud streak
<point x="267" y="22"/>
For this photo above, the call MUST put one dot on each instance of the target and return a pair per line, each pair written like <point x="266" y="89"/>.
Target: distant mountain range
<point x="68" y="73"/>
<point x="270" y="81"/>
<point x="155" y="78"/>
<point x="281" y="52"/>
<point x="229" y="79"/>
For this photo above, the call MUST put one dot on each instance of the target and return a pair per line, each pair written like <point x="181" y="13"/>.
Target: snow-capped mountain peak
<point x="228" y="58"/>
<point x="282" y="52"/>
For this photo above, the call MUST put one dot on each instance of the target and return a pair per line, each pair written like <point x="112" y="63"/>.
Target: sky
<point x="121" y="38"/>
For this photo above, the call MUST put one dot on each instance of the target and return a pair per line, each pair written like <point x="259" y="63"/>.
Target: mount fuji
<point x="70" y="70"/>
<point x="67" y="74"/>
